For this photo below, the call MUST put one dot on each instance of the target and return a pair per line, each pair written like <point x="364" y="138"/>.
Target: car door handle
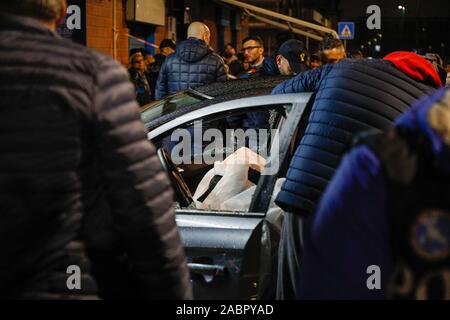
<point x="208" y="271"/>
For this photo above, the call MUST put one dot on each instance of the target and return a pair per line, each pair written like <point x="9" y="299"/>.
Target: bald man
<point x="193" y="64"/>
<point x="200" y="31"/>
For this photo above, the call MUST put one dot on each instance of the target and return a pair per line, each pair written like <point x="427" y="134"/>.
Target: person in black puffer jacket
<point x="349" y="96"/>
<point x="193" y="64"/>
<point x="83" y="195"/>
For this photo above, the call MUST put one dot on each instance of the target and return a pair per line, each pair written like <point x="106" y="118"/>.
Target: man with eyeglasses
<point x="253" y="50"/>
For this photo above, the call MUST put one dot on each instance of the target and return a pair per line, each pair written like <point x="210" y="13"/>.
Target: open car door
<point x="230" y="254"/>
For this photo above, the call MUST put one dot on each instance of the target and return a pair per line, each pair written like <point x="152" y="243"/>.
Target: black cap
<point x="167" y="43"/>
<point x="297" y="55"/>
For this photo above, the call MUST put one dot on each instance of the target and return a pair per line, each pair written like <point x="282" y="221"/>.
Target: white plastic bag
<point x="234" y="172"/>
<point x="234" y="191"/>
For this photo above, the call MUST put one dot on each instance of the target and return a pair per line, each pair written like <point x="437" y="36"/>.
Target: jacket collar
<point x="22" y="23"/>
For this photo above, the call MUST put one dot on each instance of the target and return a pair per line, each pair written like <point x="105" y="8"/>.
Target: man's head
<point x="229" y="49"/>
<point x="292" y="57"/>
<point x="137" y="61"/>
<point x="447" y="68"/>
<point x="356" y="54"/>
<point x="242" y="59"/>
<point x="315" y="61"/>
<point x="332" y="49"/>
<point x="167" y="47"/>
<point x="49" y="12"/>
<point x="148" y="57"/>
<point x="200" y="31"/>
<point x="253" y="50"/>
<point x="438" y="64"/>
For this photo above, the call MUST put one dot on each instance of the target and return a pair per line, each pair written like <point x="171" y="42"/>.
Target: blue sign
<point x="346" y="30"/>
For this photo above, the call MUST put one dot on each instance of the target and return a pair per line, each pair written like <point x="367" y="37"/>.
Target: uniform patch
<point x="302" y="57"/>
<point x="430" y="235"/>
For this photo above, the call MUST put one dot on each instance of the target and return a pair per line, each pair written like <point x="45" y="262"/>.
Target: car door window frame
<point x="263" y="193"/>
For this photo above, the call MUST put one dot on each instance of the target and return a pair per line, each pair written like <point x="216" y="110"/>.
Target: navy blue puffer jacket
<point x="79" y="182"/>
<point x="194" y="64"/>
<point x="270" y="67"/>
<point x="350" y="96"/>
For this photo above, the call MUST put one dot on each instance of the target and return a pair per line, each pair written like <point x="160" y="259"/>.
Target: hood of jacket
<point x="193" y="50"/>
<point x="416" y="118"/>
<point x="416" y="67"/>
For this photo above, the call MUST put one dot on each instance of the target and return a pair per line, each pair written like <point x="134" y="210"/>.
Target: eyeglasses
<point x="249" y="48"/>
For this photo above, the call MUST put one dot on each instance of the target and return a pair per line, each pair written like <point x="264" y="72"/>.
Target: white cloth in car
<point x="234" y="171"/>
<point x="234" y="190"/>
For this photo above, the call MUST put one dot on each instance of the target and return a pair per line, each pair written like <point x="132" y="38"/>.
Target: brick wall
<point x="99" y="23"/>
<point x="160" y="34"/>
<point x="122" y="40"/>
<point x="242" y="33"/>
<point x="99" y="33"/>
<point x="213" y="29"/>
<point x="227" y="35"/>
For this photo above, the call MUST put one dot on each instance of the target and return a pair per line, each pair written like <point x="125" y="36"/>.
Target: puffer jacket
<point x="350" y="96"/>
<point x="192" y="65"/>
<point x="352" y="227"/>
<point x="269" y="67"/>
<point x="80" y="185"/>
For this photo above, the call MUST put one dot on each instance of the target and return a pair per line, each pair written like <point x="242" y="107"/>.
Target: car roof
<point x="217" y="89"/>
<point x="222" y="92"/>
<point x="265" y="100"/>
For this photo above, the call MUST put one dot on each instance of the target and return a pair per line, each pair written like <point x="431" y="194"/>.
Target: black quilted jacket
<point x="194" y="64"/>
<point x="350" y="96"/>
<point x="79" y="182"/>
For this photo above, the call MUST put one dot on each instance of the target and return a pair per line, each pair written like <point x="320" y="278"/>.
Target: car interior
<point x="224" y="249"/>
<point x="185" y="177"/>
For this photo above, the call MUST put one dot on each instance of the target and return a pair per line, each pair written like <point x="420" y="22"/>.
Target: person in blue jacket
<point x="290" y="59"/>
<point x="350" y="96"/>
<point x="382" y="228"/>
<point x="192" y="65"/>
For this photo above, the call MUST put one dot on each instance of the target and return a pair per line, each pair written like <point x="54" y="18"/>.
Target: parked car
<point x="230" y="253"/>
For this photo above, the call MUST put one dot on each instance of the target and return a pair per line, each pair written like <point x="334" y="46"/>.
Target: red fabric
<point x="415" y="66"/>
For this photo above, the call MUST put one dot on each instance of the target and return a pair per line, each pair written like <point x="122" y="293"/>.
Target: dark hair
<point x="227" y="55"/>
<point x="354" y="53"/>
<point x="254" y="38"/>
<point x="39" y="9"/>
<point x="229" y="44"/>
<point x="240" y="57"/>
<point x="145" y="52"/>
<point x="134" y="56"/>
<point x="167" y="43"/>
<point x="329" y="42"/>
<point x="135" y="50"/>
<point x="316" y="56"/>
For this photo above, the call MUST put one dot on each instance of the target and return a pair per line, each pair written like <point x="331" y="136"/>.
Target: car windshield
<point x="165" y="106"/>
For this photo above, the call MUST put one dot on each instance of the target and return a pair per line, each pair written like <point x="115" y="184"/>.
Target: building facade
<point x="112" y="27"/>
